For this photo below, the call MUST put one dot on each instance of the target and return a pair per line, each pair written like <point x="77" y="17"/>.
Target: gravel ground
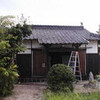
<point x="79" y="87"/>
<point x="27" y="92"/>
<point x="34" y="91"/>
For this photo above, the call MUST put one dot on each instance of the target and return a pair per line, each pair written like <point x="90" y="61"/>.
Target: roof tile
<point x="61" y="34"/>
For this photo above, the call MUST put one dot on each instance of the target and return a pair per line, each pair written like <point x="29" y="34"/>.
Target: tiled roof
<point x="46" y="34"/>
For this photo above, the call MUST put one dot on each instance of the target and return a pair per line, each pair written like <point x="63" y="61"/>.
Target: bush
<point x="7" y="79"/>
<point x="60" y="78"/>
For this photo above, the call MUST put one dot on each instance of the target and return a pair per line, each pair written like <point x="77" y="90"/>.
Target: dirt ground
<point x="34" y="91"/>
<point x="79" y="87"/>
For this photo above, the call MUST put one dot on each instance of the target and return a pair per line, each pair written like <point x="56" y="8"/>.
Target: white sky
<point x="55" y="12"/>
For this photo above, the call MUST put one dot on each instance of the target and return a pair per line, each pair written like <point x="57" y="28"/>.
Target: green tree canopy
<point x="11" y="37"/>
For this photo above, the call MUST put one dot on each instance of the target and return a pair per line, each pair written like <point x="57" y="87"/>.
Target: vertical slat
<point x="24" y="63"/>
<point x="92" y="63"/>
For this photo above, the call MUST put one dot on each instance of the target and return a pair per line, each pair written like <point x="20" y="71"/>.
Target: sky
<point x="55" y="12"/>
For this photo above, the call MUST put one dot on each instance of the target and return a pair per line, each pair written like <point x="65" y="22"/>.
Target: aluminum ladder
<point x="74" y="63"/>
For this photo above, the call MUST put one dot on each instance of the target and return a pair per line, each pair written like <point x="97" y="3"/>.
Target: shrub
<point x="7" y="77"/>
<point x="60" y="78"/>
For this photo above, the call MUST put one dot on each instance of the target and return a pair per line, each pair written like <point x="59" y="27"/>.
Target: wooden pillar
<point x="31" y="60"/>
<point x="47" y="56"/>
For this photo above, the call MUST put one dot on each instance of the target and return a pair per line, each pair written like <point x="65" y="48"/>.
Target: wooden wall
<point x="24" y="63"/>
<point x="92" y="63"/>
<point x="39" y="63"/>
<point x="82" y="57"/>
<point x="25" y="69"/>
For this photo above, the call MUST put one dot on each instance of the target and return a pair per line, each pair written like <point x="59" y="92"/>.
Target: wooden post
<point x="31" y="60"/>
<point x="47" y="57"/>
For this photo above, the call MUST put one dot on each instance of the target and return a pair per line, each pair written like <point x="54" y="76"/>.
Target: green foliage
<point x="97" y="78"/>
<point x="71" y="96"/>
<point x="7" y="78"/>
<point x="60" y="78"/>
<point x="10" y="44"/>
<point x="5" y="22"/>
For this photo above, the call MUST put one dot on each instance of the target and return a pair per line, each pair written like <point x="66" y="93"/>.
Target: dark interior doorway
<point x="59" y="58"/>
<point x="56" y="59"/>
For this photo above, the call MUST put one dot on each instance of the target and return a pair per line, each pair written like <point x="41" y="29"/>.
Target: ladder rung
<point x="77" y="71"/>
<point x="77" y="67"/>
<point x="72" y="66"/>
<point x="72" y="60"/>
<point x="74" y="63"/>
<point x="73" y="56"/>
<point x="77" y="75"/>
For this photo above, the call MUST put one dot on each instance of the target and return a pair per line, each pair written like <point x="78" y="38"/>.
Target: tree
<point x="11" y="38"/>
<point x="98" y="30"/>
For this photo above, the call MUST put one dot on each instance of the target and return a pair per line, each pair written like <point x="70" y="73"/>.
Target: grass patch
<point x="72" y="96"/>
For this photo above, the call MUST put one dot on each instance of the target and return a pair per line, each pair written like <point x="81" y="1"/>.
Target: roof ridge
<point x="94" y="35"/>
<point x="57" y="27"/>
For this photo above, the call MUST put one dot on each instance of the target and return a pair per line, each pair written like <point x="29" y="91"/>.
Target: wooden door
<point x="39" y="63"/>
<point x="82" y="57"/>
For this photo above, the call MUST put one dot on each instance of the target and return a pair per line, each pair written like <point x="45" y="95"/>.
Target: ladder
<point x="74" y="63"/>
